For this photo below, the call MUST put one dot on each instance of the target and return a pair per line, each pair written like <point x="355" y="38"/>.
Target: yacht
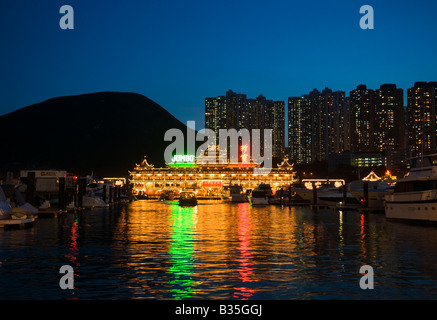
<point x="415" y="195"/>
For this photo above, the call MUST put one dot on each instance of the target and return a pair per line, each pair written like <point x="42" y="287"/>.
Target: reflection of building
<point x="207" y="179"/>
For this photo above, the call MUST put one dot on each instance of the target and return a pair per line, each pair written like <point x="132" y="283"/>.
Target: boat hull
<point x="376" y="198"/>
<point x="425" y="211"/>
<point x="188" y="203"/>
<point x="238" y="198"/>
<point x="418" y="206"/>
<point x="259" y="201"/>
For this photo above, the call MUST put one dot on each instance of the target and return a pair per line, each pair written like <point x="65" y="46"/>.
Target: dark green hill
<point x="106" y="132"/>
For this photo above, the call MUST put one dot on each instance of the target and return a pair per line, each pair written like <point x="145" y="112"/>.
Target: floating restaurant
<point x="207" y="179"/>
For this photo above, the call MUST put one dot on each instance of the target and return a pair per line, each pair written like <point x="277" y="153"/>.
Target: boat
<point x="375" y="193"/>
<point x="167" y="195"/>
<point x="259" y="196"/>
<point x="415" y="195"/>
<point x="281" y="197"/>
<point x="15" y="216"/>
<point x="336" y="197"/>
<point x="90" y="201"/>
<point x="5" y="208"/>
<point x="237" y="195"/>
<point x="307" y="195"/>
<point x="187" y="198"/>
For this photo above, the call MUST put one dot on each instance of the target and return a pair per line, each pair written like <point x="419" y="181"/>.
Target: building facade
<point x="422" y="118"/>
<point x="208" y="180"/>
<point x="236" y="111"/>
<point x="316" y="125"/>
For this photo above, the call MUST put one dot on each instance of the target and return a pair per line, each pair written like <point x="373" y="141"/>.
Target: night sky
<point x="179" y="52"/>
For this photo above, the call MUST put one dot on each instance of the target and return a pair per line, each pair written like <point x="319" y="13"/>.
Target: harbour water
<point x="156" y="250"/>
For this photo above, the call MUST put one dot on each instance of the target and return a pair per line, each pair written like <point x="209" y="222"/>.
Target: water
<point x="156" y="250"/>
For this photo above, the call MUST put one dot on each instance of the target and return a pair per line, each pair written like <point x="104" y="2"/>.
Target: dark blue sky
<point x="179" y="52"/>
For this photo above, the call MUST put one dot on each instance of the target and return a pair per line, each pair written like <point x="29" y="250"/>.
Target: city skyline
<point x="376" y="122"/>
<point x="198" y="49"/>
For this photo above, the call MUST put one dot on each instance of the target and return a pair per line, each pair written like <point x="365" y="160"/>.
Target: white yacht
<point x="415" y="195"/>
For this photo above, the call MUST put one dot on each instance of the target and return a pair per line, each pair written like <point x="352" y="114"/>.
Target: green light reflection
<point x="181" y="251"/>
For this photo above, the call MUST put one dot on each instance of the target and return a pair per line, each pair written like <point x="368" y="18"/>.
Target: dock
<point x="17" y="223"/>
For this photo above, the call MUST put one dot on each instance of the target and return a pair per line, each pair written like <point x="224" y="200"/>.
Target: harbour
<point x="296" y="241"/>
<point x="151" y="249"/>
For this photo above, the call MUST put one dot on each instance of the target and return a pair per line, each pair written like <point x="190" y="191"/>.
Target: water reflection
<point x="156" y="250"/>
<point x="245" y="268"/>
<point x="74" y="249"/>
<point x="181" y="251"/>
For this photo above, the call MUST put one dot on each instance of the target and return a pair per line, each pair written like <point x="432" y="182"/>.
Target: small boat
<point x="167" y="195"/>
<point x="237" y="194"/>
<point x="281" y="197"/>
<point x="259" y="197"/>
<point x="187" y="198"/>
<point x="90" y="202"/>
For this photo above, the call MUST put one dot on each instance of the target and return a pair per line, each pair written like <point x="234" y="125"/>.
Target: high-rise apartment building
<point x="236" y="111"/>
<point x="422" y="118"/>
<point x="316" y="125"/>
<point x="299" y="129"/>
<point x="362" y="118"/>
<point x="389" y="124"/>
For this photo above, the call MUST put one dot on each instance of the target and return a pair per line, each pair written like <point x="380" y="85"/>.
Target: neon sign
<point x="182" y="158"/>
<point x="183" y="161"/>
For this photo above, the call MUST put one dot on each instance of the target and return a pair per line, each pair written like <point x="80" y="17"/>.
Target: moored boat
<point x="237" y="195"/>
<point x="187" y="198"/>
<point x="415" y="196"/>
<point x="376" y="191"/>
<point x="167" y="195"/>
<point x="259" y="196"/>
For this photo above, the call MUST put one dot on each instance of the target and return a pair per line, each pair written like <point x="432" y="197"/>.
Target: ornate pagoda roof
<point x="371" y="177"/>
<point x="144" y="165"/>
<point x="285" y="164"/>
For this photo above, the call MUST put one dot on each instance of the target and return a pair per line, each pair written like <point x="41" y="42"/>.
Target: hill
<point x="105" y="132"/>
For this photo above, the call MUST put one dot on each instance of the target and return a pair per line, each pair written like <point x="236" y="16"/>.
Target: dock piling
<point x="31" y="186"/>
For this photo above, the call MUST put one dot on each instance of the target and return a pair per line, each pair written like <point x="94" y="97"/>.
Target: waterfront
<point x="157" y="250"/>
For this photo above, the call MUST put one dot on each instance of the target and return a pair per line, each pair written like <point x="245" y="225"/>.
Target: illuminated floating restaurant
<point x="206" y="179"/>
